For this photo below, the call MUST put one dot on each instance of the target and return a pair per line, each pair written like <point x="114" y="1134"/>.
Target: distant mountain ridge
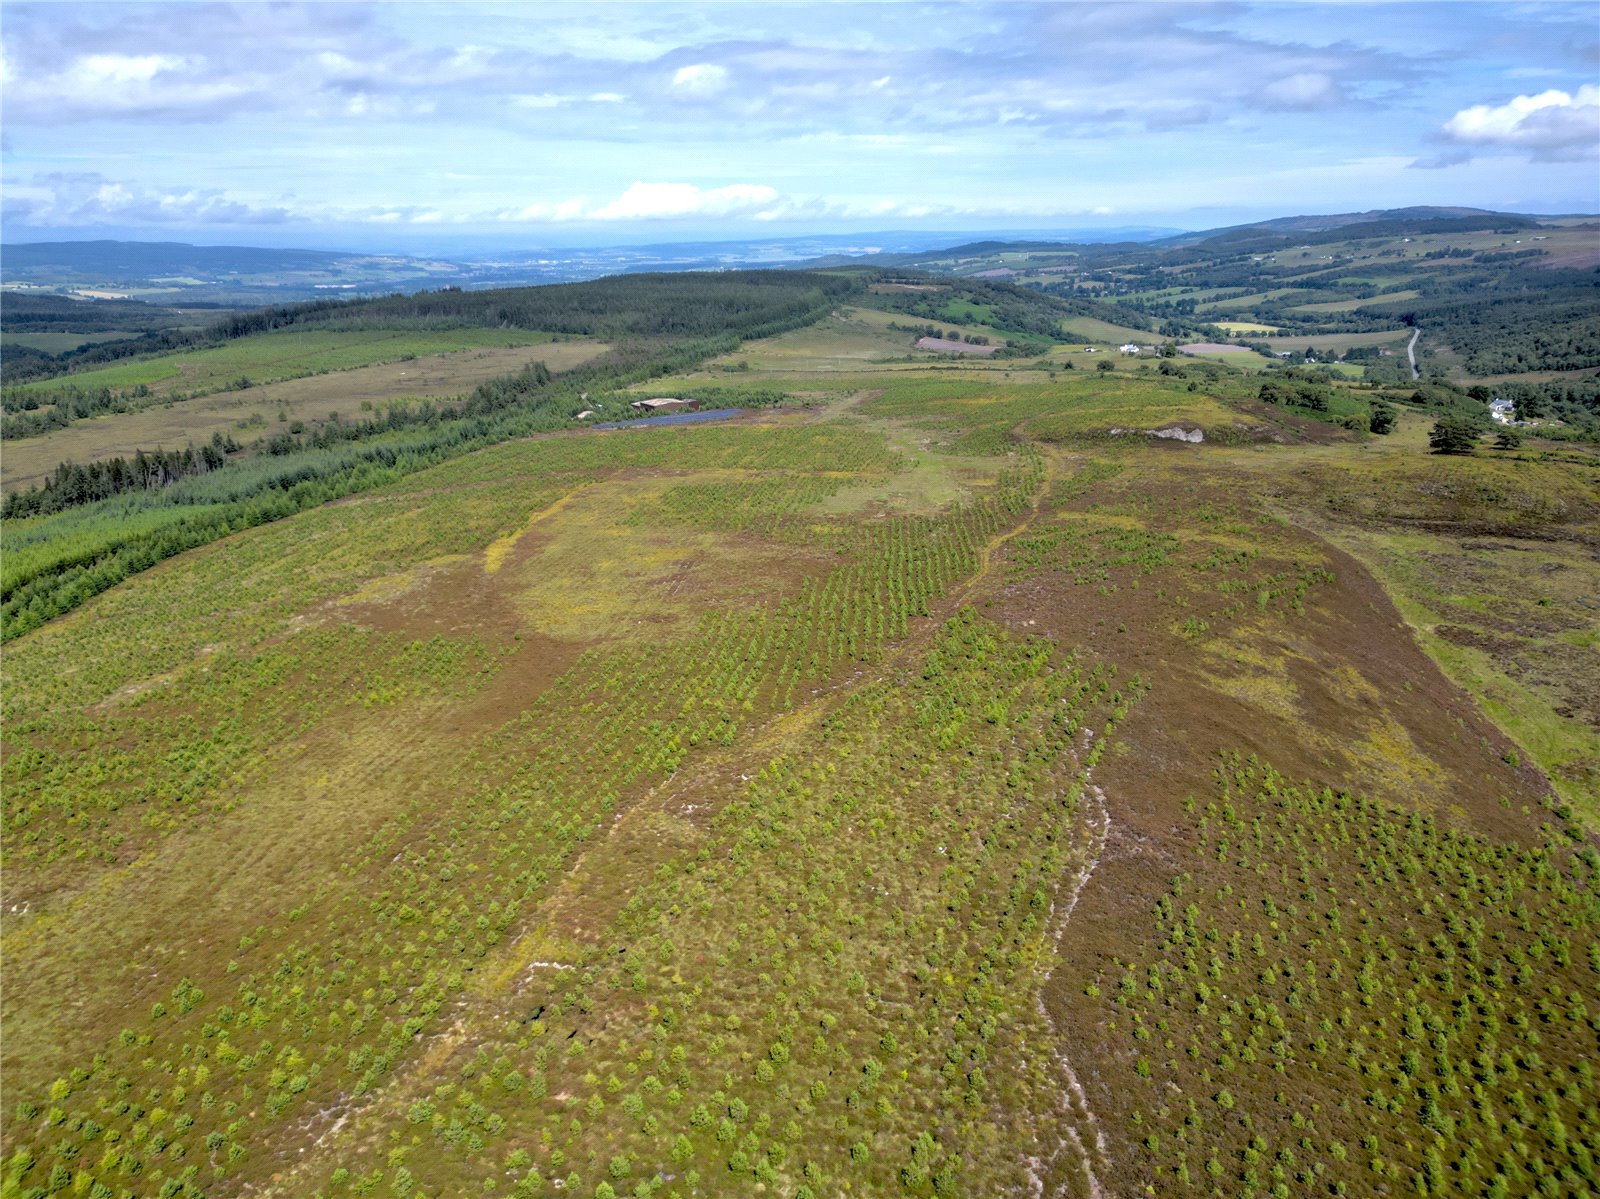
<point x="246" y="276"/>
<point x="1312" y="230"/>
<point x="1320" y="222"/>
<point x="1307" y="229"/>
<point x="143" y="258"/>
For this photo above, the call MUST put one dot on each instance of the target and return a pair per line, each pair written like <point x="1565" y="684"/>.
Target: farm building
<point x="1129" y="348"/>
<point x="664" y="404"/>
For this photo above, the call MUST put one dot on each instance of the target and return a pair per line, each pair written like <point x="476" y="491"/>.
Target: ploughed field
<point x="925" y="790"/>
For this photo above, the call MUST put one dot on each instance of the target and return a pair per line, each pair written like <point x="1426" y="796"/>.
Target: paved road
<point x="1411" y="353"/>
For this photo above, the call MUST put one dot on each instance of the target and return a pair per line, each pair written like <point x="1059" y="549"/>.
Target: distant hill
<point x="1308" y="229"/>
<point x="1436" y="220"/>
<point x="140" y="259"/>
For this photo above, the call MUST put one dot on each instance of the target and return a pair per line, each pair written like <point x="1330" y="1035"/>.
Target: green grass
<point x="266" y="409"/>
<point x="60" y="343"/>
<point x="1094" y="331"/>
<point x="1352" y="305"/>
<point x="285" y="354"/>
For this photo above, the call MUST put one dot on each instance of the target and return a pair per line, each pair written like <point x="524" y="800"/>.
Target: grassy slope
<point x="692" y="809"/>
<point x="285" y="354"/>
<point x="251" y="412"/>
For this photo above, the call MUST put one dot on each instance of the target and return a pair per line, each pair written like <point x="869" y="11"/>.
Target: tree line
<point x="70" y="484"/>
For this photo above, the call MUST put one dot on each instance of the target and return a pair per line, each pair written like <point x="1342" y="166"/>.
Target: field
<point x="1502" y="300"/>
<point x="1394" y="339"/>
<point x="1102" y="332"/>
<point x="55" y="343"/>
<point x="251" y="412"/>
<point x="290" y="354"/>
<point x="936" y="784"/>
<point x="1245" y="327"/>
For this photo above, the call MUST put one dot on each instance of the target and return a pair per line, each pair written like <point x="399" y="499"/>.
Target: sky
<point x="416" y="127"/>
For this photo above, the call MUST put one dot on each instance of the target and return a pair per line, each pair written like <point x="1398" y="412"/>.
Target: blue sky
<point x="416" y="126"/>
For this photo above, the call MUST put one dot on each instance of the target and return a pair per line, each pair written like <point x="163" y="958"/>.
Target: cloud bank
<point x="164" y="114"/>
<point x="1553" y="125"/>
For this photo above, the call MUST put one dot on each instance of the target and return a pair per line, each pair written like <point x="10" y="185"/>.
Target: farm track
<point x="1080" y="1130"/>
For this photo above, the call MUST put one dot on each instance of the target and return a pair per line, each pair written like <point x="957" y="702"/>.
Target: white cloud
<point x="1551" y="125"/>
<point x="542" y="100"/>
<point x="1302" y="91"/>
<point x="92" y="199"/>
<point x="701" y="79"/>
<point x="118" y="70"/>
<point x="648" y="201"/>
<point x="129" y="84"/>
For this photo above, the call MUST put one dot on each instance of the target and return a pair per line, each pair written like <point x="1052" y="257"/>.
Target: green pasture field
<point x="956" y="309"/>
<point x="1094" y="331"/>
<point x="1352" y="305"/>
<point x="290" y="353"/>
<point x="60" y="343"/>
<point x="1250" y="301"/>
<point x="839" y="342"/>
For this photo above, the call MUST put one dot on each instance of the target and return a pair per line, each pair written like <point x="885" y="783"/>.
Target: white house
<point x="1503" y="412"/>
<point x="1130" y="348"/>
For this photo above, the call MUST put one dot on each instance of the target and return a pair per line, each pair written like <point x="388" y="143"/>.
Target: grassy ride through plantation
<point x="282" y="354"/>
<point x="264" y="409"/>
<point x="855" y="797"/>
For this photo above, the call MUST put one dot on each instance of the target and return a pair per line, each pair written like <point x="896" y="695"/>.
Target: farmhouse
<point x="1129" y="348"/>
<point x="1503" y="412"/>
<point x="664" y="404"/>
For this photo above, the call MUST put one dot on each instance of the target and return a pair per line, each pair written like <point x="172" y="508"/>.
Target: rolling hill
<point x="1052" y="771"/>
